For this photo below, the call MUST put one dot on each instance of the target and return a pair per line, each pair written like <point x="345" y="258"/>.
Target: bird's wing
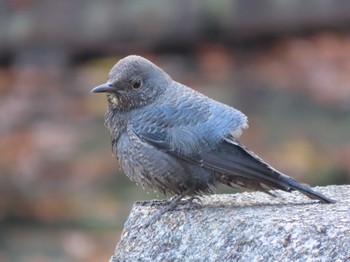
<point x="232" y="158"/>
<point x="190" y="124"/>
<point x="228" y="157"/>
<point x="238" y="165"/>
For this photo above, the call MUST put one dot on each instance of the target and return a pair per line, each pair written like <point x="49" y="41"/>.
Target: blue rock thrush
<point x="173" y="139"/>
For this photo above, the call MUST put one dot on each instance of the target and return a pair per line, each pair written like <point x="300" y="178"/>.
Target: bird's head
<point x="133" y="82"/>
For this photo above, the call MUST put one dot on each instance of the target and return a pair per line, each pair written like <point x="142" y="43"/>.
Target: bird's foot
<point x="193" y="202"/>
<point x="172" y="203"/>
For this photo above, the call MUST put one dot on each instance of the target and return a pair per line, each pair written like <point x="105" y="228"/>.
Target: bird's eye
<point x="137" y="84"/>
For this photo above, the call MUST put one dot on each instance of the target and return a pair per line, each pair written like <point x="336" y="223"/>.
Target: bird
<point x="175" y="140"/>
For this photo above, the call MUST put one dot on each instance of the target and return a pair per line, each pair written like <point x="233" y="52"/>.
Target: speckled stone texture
<point x="242" y="227"/>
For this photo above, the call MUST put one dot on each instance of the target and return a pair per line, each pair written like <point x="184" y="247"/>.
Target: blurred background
<point x="285" y="64"/>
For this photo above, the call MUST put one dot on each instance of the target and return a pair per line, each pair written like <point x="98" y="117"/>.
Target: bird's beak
<point x="104" y="88"/>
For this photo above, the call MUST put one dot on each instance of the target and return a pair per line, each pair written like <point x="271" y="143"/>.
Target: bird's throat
<point x="116" y="102"/>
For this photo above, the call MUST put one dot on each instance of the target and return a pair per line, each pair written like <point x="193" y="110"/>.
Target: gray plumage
<point x="173" y="139"/>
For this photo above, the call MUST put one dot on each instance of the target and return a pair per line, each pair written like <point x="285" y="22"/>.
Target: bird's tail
<point x="241" y="167"/>
<point x="305" y="189"/>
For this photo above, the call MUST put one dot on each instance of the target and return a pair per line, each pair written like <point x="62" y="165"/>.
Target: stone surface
<point x="242" y="227"/>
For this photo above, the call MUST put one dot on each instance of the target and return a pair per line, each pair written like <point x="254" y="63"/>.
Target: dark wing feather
<point x="232" y="158"/>
<point x="238" y="164"/>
